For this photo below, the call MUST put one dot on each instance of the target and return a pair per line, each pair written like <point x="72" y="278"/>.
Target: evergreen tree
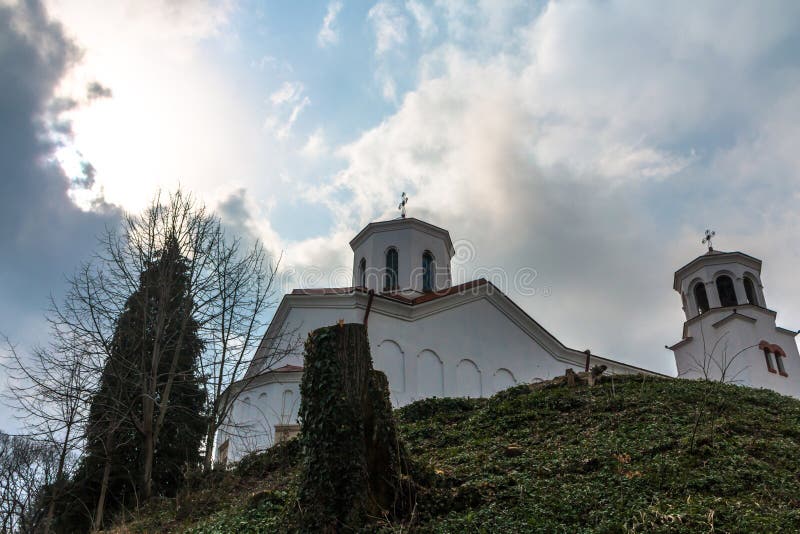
<point x="156" y="320"/>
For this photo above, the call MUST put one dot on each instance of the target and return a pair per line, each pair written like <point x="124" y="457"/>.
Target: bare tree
<point x="51" y="391"/>
<point x="244" y="292"/>
<point x="229" y="288"/>
<point x="26" y="467"/>
<point x="717" y="363"/>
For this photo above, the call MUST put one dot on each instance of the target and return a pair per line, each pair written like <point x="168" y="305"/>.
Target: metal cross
<point x="707" y="239"/>
<point x="402" y="205"/>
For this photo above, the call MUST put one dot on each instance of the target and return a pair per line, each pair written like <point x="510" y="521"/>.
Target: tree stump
<point x="353" y="464"/>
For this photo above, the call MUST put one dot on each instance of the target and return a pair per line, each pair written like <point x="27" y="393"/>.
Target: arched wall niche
<point x="390" y="359"/>
<point x="430" y="374"/>
<point x="468" y="379"/>
<point x="287" y="406"/>
<point x="503" y="379"/>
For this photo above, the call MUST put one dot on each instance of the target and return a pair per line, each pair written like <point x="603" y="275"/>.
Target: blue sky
<point x="593" y="142"/>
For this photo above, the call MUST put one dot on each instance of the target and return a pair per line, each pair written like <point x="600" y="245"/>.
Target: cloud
<point x="595" y="145"/>
<point x="328" y="34"/>
<point x="154" y="56"/>
<point x="316" y="146"/>
<point x="287" y="103"/>
<point x="43" y="234"/>
<point x="97" y="90"/>
<point x="389" y="26"/>
<point x="423" y="17"/>
<point x="288" y="93"/>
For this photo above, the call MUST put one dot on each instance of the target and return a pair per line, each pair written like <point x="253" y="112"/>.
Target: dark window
<point x="727" y="295"/>
<point x="427" y="271"/>
<point x="750" y="291"/>
<point x="362" y="272"/>
<point x="700" y="297"/>
<point x="391" y="269"/>
<point x="768" y="357"/>
<point x="781" y="368"/>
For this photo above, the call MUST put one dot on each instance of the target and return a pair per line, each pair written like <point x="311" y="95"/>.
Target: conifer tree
<point x="157" y="319"/>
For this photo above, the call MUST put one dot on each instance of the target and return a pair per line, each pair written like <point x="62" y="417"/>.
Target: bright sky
<point x="591" y="142"/>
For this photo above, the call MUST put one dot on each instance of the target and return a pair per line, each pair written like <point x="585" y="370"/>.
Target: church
<point x="436" y="339"/>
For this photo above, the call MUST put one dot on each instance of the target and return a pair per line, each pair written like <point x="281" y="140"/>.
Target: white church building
<point x="730" y="334"/>
<point x="431" y="338"/>
<point x="435" y="339"/>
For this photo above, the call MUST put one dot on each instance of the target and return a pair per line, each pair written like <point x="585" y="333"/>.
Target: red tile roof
<point x="287" y="369"/>
<point x="426" y="297"/>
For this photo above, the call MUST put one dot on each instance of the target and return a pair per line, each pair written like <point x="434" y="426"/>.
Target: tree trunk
<point x="147" y="476"/>
<point x="353" y="461"/>
<point x="101" y="501"/>
<point x="212" y="429"/>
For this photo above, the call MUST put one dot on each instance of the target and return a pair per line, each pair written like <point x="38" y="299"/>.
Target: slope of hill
<point x="634" y="454"/>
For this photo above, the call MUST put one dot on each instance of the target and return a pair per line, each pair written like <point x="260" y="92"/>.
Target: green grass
<point x="633" y="455"/>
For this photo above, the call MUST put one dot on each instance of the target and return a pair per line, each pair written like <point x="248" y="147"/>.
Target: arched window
<point x="771" y="350"/>
<point x="768" y="357"/>
<point x="700" y="297"/>
<point x="427" y="271"/>
<point x="750" y="291"/>
<point x="391" y="269"/>
<point x="781" y="368"/>
<point x="727" y="295"/>
<point x="362" y="273"/>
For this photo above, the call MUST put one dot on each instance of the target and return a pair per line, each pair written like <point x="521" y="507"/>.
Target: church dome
<point x="405" y="255"/>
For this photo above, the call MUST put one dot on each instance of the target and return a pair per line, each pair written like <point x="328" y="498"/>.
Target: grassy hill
<point x="631" y="454"/>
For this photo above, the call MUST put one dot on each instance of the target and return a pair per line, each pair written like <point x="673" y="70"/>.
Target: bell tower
<point x="730" y="334"/>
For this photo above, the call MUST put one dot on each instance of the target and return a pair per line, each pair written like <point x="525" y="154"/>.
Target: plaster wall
<point x="726" y="337"/>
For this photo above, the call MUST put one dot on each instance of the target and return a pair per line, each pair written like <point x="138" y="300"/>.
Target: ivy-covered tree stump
<point x="353" y="464"/>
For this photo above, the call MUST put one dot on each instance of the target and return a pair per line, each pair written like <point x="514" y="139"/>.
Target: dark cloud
<point x="42" y="233"/>
<point x="97" y="90"/>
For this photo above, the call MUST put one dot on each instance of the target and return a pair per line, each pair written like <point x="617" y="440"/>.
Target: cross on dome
<point x="707" y="239"/>
<point x="402" y="205"/>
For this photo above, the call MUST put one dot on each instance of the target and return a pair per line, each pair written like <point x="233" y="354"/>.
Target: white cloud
<point x="328" y="34"/>
<point x="589" y="147"/>
<point x="389" y="26"/>
<point x="316" y="146"/>
<point x="287" y="103"/>
<point x="288" y="92"/>
<point x="168" y="99"/>
<point x="423" y="17"/>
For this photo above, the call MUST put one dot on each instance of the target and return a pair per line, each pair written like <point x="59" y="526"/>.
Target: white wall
<point x="256" y="412"/>
<point x="732" y="336"/>
<point x="471" y="350"/>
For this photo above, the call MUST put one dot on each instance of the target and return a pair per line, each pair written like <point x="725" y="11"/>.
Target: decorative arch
<point x="726" y="290"/>
<point x="287" y="406"/>
<point x="244" y="409"/>
<point x="503" y="379"/>
<point x="700" y="296"/>
<point x="391" y="359"/>
<point x="468" y="379"/>
<point x="430" y="374"/>
<point x="392" y="262"/>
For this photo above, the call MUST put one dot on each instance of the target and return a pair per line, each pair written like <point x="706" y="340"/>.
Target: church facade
<point x="431" y="338"/>
<point x="436" y="339"/>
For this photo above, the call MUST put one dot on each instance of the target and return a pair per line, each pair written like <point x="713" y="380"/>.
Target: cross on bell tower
<point x="707" y="239"/>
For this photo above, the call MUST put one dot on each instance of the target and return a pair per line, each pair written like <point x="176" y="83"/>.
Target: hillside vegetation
<point x="634" y="454"/>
